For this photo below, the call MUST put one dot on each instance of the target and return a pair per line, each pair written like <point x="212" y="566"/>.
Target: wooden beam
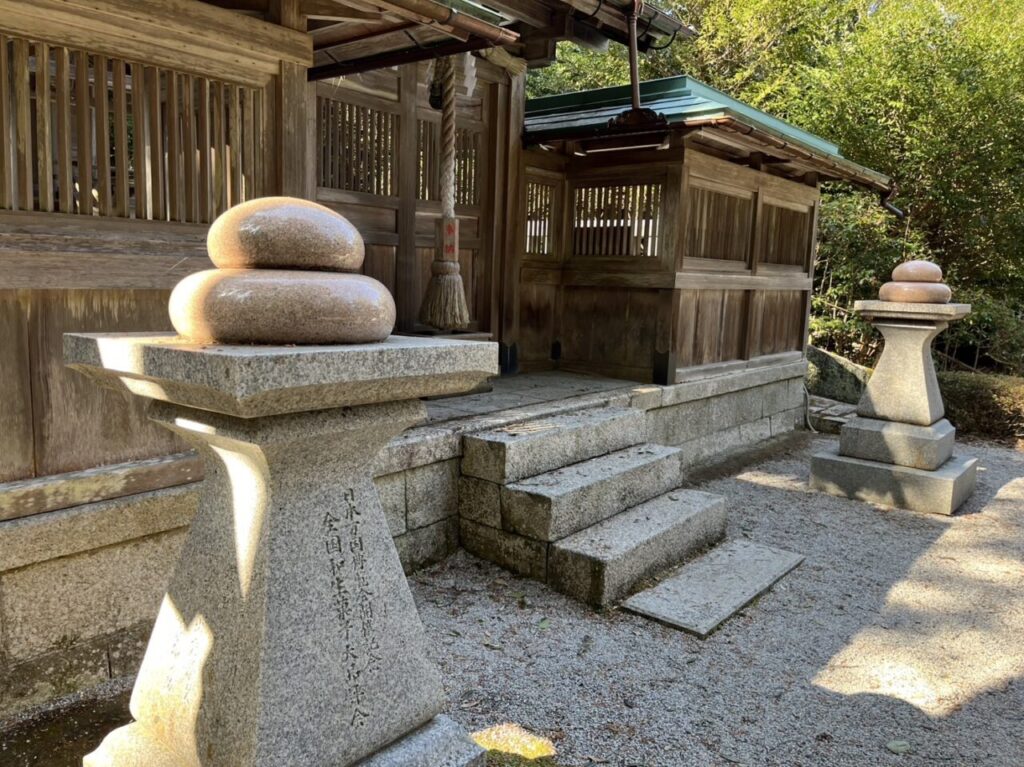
<point x="530" y="12"/>
<point x="330" y="10"/>
<point x="396" y="58"/>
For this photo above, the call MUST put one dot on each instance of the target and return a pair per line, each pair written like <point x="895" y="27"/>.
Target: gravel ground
<point x="898" y="627"/>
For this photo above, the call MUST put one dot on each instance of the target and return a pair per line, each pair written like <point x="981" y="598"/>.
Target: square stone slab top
<point x="253" y="381"/>
<point x="904" y="444"/>
<point x="942" y="491"/>
<point x="893" y="310"/>
<point x="703" y="594"/>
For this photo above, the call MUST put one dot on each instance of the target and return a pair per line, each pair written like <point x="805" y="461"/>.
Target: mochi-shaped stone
<point x="917" y="271"/>
<point x="915" y="293"/>
<point x="284" y="233"/>
<point x="276" y="306"/>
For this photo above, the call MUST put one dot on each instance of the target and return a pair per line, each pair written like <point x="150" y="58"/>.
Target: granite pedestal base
<point x="898" y="451"/>
<point x="942" y="491"/>
<point x="288" y="634"/>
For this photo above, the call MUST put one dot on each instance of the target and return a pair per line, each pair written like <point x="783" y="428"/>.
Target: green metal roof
<point x="683" y="100"/>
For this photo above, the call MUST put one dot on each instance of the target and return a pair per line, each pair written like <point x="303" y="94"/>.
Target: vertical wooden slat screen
<point x="220" y="179"/>
<point x="358" y="146"/>
<point x="101" y="110"/>
<point x="156" y="143"/>
<point x="65" y="183"/>
<point x="123" y="184"/>
<point x="6" y="159"/>
<point x="234" y="155"/>
<point x="173" y="118"/>
<point x="617" y="219"/>
<point x="44" y="138"/>
<point x="539" y="218"/>
<point x="92" y="134"/>
<point x="22" y="125"/>
<point x="83" y="142"/>
<point x="141" y="142"/>
<point x="205" y="161"/>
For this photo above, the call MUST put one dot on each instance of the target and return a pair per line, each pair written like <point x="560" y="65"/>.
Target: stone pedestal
<point x="898" y="451"/>
<point x="288" y="634"/>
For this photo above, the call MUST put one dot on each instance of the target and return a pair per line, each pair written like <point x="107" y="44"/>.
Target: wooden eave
<point x="351" y="36"/>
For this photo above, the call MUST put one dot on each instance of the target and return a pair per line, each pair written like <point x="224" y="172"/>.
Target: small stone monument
<point x="288" y="634"/>
<point x="898" y="450"/>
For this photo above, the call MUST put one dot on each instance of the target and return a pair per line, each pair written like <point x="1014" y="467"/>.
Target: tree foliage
<point x="930" y="92"/>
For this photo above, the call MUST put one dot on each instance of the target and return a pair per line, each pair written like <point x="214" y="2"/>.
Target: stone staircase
<point x="583" y="503"/>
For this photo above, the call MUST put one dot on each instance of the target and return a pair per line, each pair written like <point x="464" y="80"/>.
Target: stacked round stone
<point x="284" y="276"/>
<point x="916" y="282"/>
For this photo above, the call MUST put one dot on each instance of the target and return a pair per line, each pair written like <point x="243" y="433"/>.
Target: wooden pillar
<point x="293" y="116"/>
<point x="408" y="273"/>
<point x="510" y="254"/>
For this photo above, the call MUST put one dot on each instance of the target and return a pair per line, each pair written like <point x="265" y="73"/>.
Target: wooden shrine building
<point x="127" y="126"/>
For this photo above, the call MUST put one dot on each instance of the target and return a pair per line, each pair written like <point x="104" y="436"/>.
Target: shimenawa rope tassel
<point x="444" y="305"/>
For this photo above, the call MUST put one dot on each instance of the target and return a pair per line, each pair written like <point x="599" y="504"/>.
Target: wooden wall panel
<point x="609" y="330"/>
<point x="782" y="322"/>
<point x="711" y="326"/>
<point x="79" y="424"/>
<point x="380" y="264"/>
<point x="536" y="324"/>
<point x="17" y="456"/>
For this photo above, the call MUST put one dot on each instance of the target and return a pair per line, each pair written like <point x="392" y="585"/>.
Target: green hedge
<point x="984" y="405"/>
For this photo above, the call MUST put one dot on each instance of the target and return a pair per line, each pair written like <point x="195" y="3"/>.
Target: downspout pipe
<point x="884" y="199"/>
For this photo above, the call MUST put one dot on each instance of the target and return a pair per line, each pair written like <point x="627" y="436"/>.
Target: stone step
<point x="550" y="506"/>
<point x="704" y="593"/>
<point x="526" y="449"/>
<point x="606" y="562"/>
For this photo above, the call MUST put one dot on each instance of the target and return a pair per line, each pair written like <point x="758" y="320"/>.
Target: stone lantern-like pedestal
<point x="288" y="634"/>
<point x="898" y="450"/>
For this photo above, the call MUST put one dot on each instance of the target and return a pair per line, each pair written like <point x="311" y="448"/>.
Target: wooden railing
<point x="85" y="133"/>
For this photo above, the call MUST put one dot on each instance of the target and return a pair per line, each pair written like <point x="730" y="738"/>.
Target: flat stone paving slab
<point x="706" y="592"/>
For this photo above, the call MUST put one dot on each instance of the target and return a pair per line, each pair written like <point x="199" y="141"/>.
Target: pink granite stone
<point x="284" y="233"/>
<point x="917" y="271"/>
<point x="276" y="306"/>
<point x="915" y="293"/>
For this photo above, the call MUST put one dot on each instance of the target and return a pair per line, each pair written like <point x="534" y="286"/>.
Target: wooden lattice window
<point x="617" y="220"/>
<point x="467" y="163"/>
<point x="357" y="147"/>
<point x="718" y="225"/>
<point x="89" y="134"/>
<point x="786" y="235"/>
<point x="540" y="211"/>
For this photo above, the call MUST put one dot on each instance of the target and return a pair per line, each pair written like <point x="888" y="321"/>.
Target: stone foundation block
<point x="679" y="423"/>
<point x="432" y="493"/>
<point x="428" y="545"/>
<point x="940" y="492"/>
<point x="919" y="447"/>
<point x="521" y="555"/>
<point x="736" y="408"/>
<point x="480" y="501"/>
